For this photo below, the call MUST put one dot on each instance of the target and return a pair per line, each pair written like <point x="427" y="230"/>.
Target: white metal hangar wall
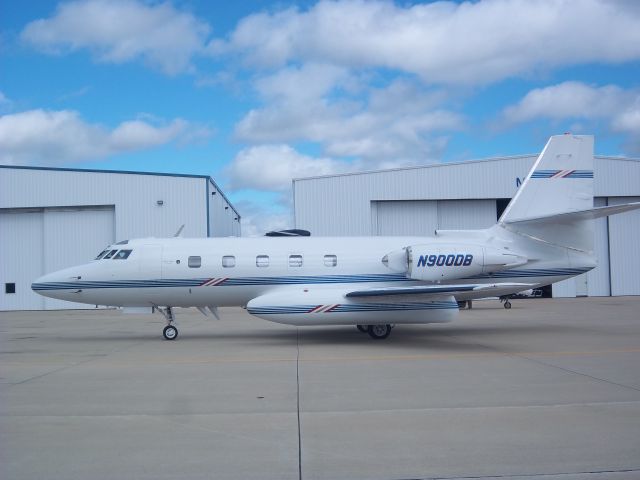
<point x="53" y="218"/>
<point x="468" y="195"/>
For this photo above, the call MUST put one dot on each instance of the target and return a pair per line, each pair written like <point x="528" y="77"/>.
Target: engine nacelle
<point x="438" y="262"/>
<point x="328" y="306"/>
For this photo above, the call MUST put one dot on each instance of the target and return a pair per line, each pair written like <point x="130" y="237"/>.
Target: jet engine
<point x="438" y="262"/>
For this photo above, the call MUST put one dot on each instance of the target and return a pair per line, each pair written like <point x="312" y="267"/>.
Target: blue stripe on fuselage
<point x="291" y="280"/>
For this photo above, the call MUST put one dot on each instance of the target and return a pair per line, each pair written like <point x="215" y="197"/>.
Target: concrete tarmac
<point x="548" y="390"/>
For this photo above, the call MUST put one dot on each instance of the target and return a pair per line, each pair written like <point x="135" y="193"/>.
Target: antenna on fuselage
<point x="179" y="231"/>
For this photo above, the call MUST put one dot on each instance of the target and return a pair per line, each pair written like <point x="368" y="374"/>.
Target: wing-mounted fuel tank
<point x="323" y="306"/>
<point x="437" y="262"/>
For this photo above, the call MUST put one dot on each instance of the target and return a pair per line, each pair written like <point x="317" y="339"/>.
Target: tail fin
<point x="555" y="202"/>
<point x="560" y="181"/>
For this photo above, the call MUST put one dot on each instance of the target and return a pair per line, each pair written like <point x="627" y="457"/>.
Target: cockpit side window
<point x="101" y="254"/>
<point x="109" y="255"/>
<point x="122" y="255"/>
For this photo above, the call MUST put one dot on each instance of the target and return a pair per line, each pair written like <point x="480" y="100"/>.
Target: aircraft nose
<point x="46" y="283"/>
<point x="52" y="284"/>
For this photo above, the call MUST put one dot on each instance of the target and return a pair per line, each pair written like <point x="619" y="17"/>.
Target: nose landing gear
<point x="170" y="332"/>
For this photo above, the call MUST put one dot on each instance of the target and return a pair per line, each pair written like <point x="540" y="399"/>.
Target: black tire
<point x="379" y="332"/>
<point x="362" y="328"/>
<point x="170" y="332"/>
<point x="507" y="304"/>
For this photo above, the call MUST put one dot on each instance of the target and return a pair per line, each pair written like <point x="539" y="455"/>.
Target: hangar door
<point x="37" y="241"/>
<point x="422" y="217"/>
<point x="625" y="249"/>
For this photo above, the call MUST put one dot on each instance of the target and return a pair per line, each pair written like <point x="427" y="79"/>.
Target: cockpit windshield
<point x="109" y="255"/>
<point x="114" y="254"/>
<point x="122" y="255"/>
<point x="101" y="254"/>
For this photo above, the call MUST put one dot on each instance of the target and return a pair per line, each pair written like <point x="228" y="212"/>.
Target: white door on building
<point x="625" y="249"/>
<point x="46" y="240"/>
<point x="73" y="236"/>
<point x="21" y="258"/>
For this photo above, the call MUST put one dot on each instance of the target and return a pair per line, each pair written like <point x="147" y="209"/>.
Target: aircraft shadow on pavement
<point x="449" y="338"/>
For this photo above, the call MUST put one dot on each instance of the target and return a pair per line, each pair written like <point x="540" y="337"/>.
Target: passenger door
<point x="149" y="262"/>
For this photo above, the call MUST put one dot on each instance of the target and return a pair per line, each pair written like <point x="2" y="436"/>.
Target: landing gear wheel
<point x="362" y="328"/>
<point x="507" y="304"/>
<point x="379" y="332"/>
<point x="170" y="332"/>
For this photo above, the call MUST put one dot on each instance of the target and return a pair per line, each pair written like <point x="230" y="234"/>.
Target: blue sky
<point x="257" y="93"/>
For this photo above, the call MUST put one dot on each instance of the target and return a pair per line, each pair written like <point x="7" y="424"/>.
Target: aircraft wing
<point x="475" y="290"/>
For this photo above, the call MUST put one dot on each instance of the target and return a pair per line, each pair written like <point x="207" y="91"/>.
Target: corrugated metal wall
<point x="423" y="217"/>
<point x="52" y="219"/>
<point x="22" y="258"/>
<point x="595" y="283"/>
<point x="624" y="248"/>
<point x="71" y="237"/>
<point x="404" y="217"/>
<point x="35" y="242"/>
<point x="145" y="204"/>
<point x="224" y="221"/>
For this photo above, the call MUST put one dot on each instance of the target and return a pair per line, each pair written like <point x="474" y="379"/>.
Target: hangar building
<point x="469" y="195"/>
<point x="52" y="218"/>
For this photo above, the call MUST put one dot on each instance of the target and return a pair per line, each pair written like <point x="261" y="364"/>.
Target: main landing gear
<point x="507" y="303"/>
<point x="377" y="332"/>
<point x="170" y="332"/>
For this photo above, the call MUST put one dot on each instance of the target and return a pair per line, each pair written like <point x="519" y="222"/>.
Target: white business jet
<point x="545" y="235"/>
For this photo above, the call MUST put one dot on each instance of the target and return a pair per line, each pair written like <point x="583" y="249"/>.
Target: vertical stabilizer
<point x="560" y="181"/>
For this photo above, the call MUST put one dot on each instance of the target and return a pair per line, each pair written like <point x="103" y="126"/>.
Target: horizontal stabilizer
<point x="570" y="229"/>
<point x="589" y="214"/>
<point x="439" y="290"/>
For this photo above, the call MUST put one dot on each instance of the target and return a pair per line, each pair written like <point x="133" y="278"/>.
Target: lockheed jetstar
<point x="545" y="235"/>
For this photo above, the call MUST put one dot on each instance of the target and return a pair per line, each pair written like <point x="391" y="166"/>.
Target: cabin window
<point x="262" y="261"/>
<point x="295" y="260"/>
<point x="194" y="262"/>
<point x="330" y="260"/>
<point x="109" y="255"/>
<point x="228" y="261"/>
<point x="101" y="254"/>
<point x="122" y="255"/>
<point x="9" y="288"/>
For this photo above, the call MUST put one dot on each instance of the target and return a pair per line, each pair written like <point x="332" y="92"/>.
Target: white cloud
<point x="568" y="100"/>
<point x="629" y="120"/>
<point x="272" y="167"/>
<point x="442" y="42"/>
<point x="578" y="100"/>
<point x="327" y="105"/>
<point x="118" y="31"/>
<point x="57" y="137"/>
<point x="259" y="218"/>
<point x="617" y="108"/>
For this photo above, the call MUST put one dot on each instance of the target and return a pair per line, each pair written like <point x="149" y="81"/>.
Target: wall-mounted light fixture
<point x="160" y="203"/>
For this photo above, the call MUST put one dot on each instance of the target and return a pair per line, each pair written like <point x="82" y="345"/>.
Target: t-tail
<point x="554" y="205"/>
